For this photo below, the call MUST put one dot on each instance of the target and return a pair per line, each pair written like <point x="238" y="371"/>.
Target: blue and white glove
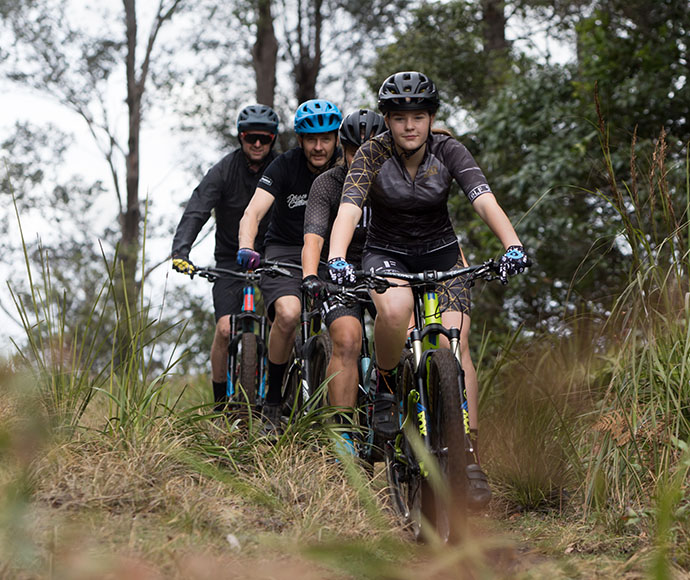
<point x="248" y="258"/>
<point x="513" y="262"/>
<point x="341" y="272"/>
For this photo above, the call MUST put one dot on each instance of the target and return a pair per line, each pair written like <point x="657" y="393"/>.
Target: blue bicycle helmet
<point x="317" y="116"/>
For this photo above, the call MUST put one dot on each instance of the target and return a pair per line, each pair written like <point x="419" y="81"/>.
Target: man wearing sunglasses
<point x="227" y="189"/>
<point x="284" y="188"/>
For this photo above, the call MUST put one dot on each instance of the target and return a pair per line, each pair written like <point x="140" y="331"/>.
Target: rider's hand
<point x="184" y="265"/>
<point x="313" y="286"/>
<point x="248" y="258"/>
<point x="341" y="272"/>
<point x="513" y="262"/>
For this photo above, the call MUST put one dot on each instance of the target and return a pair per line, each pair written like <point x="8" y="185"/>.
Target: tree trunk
<point x="308" y="62"/>
<point x="494" y="26"/>
<point x="494" y="37"/>
<point x="265" y="54"/>
<point x="128" y="254"/>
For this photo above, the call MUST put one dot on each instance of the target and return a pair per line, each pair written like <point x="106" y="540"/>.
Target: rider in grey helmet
<point x="227" y="189"/>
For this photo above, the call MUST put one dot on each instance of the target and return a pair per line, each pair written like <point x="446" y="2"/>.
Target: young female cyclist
<point x="406" y="174"/>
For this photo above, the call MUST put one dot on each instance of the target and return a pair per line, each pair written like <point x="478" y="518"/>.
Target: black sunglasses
<point x="254" y="137"/>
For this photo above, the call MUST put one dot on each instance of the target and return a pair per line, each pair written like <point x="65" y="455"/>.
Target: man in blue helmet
<point x="227" y="189"/>
<point x="285" y="187"/>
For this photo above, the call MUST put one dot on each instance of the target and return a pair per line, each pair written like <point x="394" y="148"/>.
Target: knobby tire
<point x="249" y="367"/>
<point x="447" y="513"/>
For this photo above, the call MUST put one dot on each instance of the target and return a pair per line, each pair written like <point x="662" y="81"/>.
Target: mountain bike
<point x="426" y="461"/>
<point x="368" y="446"/>
<point x="309" y="359"/>
<point x="247" y="349"/>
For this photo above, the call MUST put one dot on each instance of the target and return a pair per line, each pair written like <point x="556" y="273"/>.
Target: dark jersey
<point x="322" y="207"/>
<point x="411" y="216"/>
<point x="289" y="180"/>
<point x="227" y="189"/>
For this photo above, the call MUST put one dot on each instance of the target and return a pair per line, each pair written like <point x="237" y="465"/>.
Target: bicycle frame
<point x="423" y="340"/>
<point x="309" y="329"/>
<point x="247" y="321"/>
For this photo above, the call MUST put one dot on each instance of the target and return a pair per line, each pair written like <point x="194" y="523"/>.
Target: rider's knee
<point x="287" y="312"/>
<point x="346" y="339"/>
<point x="223" y="328"/>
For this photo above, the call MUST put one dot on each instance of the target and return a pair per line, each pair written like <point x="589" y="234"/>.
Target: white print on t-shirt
<point x="296" y="199"/>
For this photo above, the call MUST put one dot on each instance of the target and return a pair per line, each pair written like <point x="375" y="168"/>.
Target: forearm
<point x="249" y="227"/>
<point x="493" y="215"/>
<point x="311" y="252"/>
<point x="257" y="208"/>
<point x="343" y="228"/>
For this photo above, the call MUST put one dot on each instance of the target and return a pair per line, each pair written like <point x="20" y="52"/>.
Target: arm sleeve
<point x="465" y="170"/>
<point x="322" y="205"/>
<point x="361" y="174"/>
<point x="204" y="198"/>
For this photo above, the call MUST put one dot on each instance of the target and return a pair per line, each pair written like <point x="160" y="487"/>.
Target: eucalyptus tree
<point x="81" y="54"/>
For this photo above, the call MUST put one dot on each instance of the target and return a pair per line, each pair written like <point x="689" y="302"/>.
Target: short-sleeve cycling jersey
<point x="226" y="188"/>
<point x="411" y="216"/>
<point x="289" y="180"/>
<point x="322" y="208"/>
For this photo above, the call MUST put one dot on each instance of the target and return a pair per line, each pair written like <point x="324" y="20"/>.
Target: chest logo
<point x="295" y="200"/>
<point x="433" y="170"/>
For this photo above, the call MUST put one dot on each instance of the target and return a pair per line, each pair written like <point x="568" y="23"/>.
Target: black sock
<point x="275" y="383"/>
<point x="219" y="395"/>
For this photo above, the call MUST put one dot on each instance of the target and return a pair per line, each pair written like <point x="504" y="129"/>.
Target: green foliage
<point x="443" y="39"/>
<point x="637" y="53"/>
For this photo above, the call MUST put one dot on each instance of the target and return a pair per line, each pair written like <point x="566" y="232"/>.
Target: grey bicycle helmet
<point x="408" y="91"/>
<point x="361" y="126"/>
<point x="257" y="118"/>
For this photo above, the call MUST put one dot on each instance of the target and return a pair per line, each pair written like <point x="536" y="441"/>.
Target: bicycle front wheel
<point x="248" y="371"/>
<point x="443" y="499"/>
<point x="316" y="365"/>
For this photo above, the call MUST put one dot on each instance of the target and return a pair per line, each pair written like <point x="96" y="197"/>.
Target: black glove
<point x="313" y="286"/>
<point x="184" y="265"/>
<point x="342" y="272"/>
<point x="513" y="262"/>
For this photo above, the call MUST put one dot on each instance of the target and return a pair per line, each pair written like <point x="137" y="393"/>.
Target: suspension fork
<point x="462" y="389"/>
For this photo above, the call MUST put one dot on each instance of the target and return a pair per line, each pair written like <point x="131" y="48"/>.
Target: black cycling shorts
<point x="274" y="288"/>
<point x="227" y="292"/>
<point x="453" y="294"/>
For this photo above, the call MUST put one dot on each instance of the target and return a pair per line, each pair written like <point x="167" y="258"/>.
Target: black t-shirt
<point x="289" y="180"/>
<point x="227" y="189"/>
<point x="322" y="208"/>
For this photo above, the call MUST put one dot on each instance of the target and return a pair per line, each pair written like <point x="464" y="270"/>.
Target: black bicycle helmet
<point x="257" y="118"/>
<point x="361" y="126"/>
<point x="408" y="91"/>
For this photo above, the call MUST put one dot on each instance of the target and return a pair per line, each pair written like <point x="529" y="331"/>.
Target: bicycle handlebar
<point x="380" y="282"/>
<point x="267" y="268"/>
